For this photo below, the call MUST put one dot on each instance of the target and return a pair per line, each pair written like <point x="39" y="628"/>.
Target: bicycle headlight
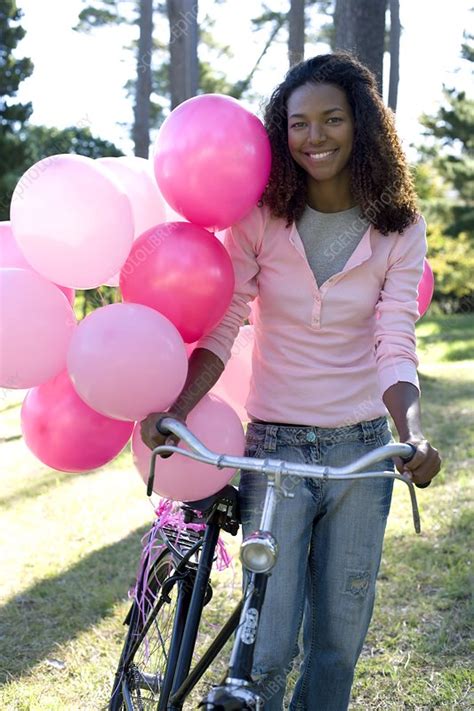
<point x="258" y="552"/>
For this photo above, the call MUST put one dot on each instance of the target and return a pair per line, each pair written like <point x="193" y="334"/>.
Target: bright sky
<point x="79" y="79"/>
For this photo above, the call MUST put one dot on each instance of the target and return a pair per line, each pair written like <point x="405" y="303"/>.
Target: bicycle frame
<point x="245" y="618"/>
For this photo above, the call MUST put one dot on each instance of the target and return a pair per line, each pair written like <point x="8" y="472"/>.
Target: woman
<point x="332" y="257"/>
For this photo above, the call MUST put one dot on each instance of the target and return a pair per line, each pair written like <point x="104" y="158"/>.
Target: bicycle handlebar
<point x="276" y="468"/>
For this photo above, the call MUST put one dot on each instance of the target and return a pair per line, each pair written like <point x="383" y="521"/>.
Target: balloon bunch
<point x="78" y="223"/>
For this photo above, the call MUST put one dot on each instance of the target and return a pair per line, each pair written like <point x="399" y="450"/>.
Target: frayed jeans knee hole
<point x="357" y="583"/>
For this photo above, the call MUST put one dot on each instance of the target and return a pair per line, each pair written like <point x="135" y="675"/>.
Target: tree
<point x="451" y="131"/>
<point x="395" y="32"/>
<point x="141" y="124"/>
<point x="140" y="12"/>
<point x="183" y="47"/>
<point x="446" y="192"/>
<point x="183" y="67"/>
<point x="360" y="28"/>
<point x="179" y="73"/>
<point x="296" y="31"/>
<point x="13" y="115"/>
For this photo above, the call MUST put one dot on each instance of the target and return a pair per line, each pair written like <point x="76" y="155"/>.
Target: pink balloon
<point x="139" y="184"/>
<point x="11" y="256"/>
<point x="234" y="383"/>
<point x="72" y="221"/>
<point x="212" y="177"/>
<point x="183" y="272"/>
<point x="425" y="288"/>
<point x="37" y="326"/>
<point x="219" y="428"/>
<point x="64" y="433"/>
<point x="126" y="361"/>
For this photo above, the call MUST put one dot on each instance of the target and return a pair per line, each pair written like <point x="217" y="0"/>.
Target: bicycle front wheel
<point x="141" y="677"/>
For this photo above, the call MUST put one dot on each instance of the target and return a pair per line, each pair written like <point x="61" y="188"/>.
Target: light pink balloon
<point x="212" y="177"/>
<point x="425" y="288"/>
<point x="126" y="361"/>
<point x="11" y="257"/>
<point x="64" y="433"/>
<point x="219" y="428"/>
<point x="234" y="383"/>
<point x="72" y="221"/>
<point x="37" y="324"/>
<point x="139" y="184"/>
<point x="183" y="272"/>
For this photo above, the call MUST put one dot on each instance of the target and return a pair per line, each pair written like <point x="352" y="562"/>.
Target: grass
<point x="70" y="546"/>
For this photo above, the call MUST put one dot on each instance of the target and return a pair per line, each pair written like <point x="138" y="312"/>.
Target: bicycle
<point x="173" y="587"/>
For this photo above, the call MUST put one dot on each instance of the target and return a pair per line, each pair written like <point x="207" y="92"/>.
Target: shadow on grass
<point x="59" y="608"/>
<point x="37" y="486"/>
<point x="447" y="414"/>
<point x="430" y="579"/>
<point x="460" y="352"/>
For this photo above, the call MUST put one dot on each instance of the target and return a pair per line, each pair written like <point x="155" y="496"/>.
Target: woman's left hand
<point x="425" y="464"/>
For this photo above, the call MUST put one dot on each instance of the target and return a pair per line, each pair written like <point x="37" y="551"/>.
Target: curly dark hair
<point x="381" y="181"/>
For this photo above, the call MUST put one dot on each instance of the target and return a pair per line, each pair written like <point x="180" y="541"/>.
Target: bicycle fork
<point x="259" y="553"/>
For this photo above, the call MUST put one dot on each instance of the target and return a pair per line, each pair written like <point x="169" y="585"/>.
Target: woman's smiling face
<point x="320" y="130"/>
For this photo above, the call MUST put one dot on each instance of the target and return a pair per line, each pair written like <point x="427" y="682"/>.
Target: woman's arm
<point x="402" y="400"/>
<point x="204" y="370"/>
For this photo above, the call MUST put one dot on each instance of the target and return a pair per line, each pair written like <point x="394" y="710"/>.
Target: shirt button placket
<point x="316" y="319"/>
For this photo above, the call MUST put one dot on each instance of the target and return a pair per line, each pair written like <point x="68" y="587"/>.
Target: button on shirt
<point x="323" y="355"/>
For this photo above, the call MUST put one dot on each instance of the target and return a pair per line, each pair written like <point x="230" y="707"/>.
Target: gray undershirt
<point x="330" y="238"/>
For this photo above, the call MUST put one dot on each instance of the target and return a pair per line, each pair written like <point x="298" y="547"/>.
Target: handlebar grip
<point x="162" y="431"/>
<point x="410" y="456"/>
<point x="405" y="459"/>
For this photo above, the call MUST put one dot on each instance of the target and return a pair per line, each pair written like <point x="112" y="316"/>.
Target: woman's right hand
<point x="150" y="435"/>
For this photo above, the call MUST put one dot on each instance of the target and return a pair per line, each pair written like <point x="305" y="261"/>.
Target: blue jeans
<point x="330" y="539"/>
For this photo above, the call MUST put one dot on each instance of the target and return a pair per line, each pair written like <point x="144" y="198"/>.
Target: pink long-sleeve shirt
<point x="322" y="356"/>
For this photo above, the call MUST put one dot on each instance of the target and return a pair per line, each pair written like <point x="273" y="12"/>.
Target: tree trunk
<point x="296" y="35"/>
<point x="360" y="28"/>
<point x="184" y="67"/>
<point x="141" y="125"/>
<point x="395" y="32"/>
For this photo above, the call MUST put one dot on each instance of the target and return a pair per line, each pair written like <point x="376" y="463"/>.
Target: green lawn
<point x="70" y="545"/>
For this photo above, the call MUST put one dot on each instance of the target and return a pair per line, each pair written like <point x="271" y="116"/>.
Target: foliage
<point x="452" y="261"/>
<point x="445" y="182"/>
<point x="12" y="70"/>
<point x="13" y="114"/>
<point x="105" y="13"/>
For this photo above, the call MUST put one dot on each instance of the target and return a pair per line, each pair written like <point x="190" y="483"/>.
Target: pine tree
<point x="445" y="184"/>
<point x="451" y="130"/>
<point x="13" y="114"/>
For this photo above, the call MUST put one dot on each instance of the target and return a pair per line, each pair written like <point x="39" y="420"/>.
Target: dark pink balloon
<point x="425" y="288"/>
<point x="183" y="272"/>
<point x="212" y="160"/>
<point x="65" y="433"/>
<point x="11" y="257"/>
